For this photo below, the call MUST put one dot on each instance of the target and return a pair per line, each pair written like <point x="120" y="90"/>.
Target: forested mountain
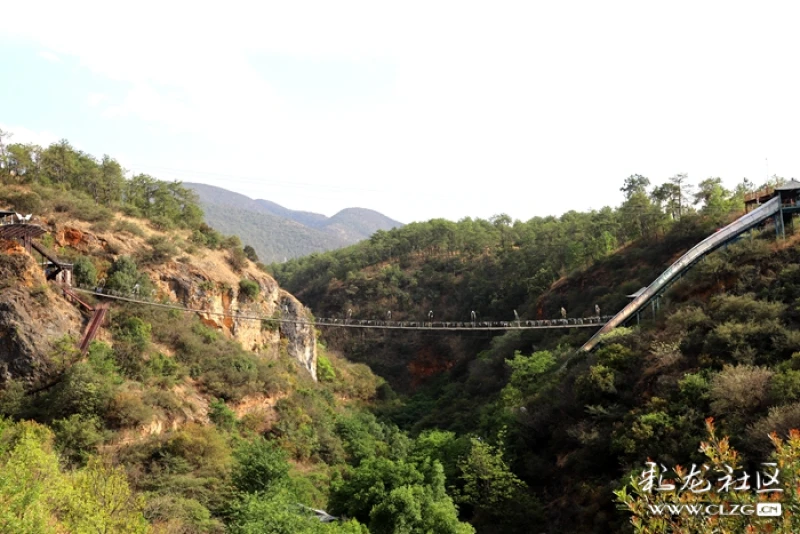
<point x="277" y="233"/>
<point x="238" y="419"/>
<point x="574" y="428"/>
<point x="494" y="267"/>
<point x="233" y="419"/>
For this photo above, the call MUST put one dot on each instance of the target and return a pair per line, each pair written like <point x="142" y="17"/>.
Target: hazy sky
<point x="416" y="109"/>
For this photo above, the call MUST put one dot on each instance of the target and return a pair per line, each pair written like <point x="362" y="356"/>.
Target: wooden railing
<point x="761" y="193"/>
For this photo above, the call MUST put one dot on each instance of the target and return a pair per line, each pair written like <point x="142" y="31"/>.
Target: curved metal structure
<point x="706" y="246"/>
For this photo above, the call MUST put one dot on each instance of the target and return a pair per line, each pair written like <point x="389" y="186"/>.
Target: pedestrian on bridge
<point x="563" y="313"/>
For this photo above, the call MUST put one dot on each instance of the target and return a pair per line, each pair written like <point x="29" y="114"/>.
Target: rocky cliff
<point x="34" y="316"/>
<point x="33" y="319"/>
<point x="228" y="309"/>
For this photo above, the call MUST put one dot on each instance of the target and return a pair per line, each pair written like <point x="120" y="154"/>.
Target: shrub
<point x="166" y="400"/>
<point x="231" y="241"/>
<point x="161" y="250"/>
<point x="166" y="369"/>
<point x="12" y="398"/>
<point x="129" y="228"/>
<point x="250" y="252"/>
<point x="84" y="272"/>
<point x="221" y="415"/>
<point x="131" y="211"/>
<point x="77" y="437"/>
<point x="231" y="376"/>
<point x="179" y="514"/>
<point x="249" y="288"/>
<point x="597" y="383"/>
<point x="162" y="223"/>
<point x="615" y="356"/>
<point x="740" y="389"/>
<point x="101" y="358"/>
<point x="745" y="308"/>
<point x="325" y="372"/>
<point x="786" y="386"/>
<point x="22" y="201"/>
<point x="237" y="258"/>
<point x="135" y="331"/>
<point x="101" y="226"/>
<point x="780" y="419"/>
<point x="82" y="207"/>
<point x="83" y="391"/>
<point x="259" y="464"/>
<point x="128" y="410"/>
<point x="124" y="275"/>
<point x="206" y="236"/>
<point x="694" y="387"/>
<point x="39" y="293"/>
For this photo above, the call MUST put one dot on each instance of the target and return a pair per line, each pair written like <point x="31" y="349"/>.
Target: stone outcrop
<point x="222" y="302"/>
<point x="298" y="334"/>
<point x="32" y="320"/>
<point x="205" y="281"/>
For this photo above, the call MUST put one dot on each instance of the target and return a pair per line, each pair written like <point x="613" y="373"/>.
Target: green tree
<point x="278" y="512"/>
<point x="124" y="276"/>
<point x="259" y="466"/>
<point x="488" y="482"/>
<point x="23" y="162"/>
<point x="77" y="437"/>
<point x="716" y="200"/>
<point x="396" y="496"/>
<point x="29" y="478"/>
<point x="84" y="272"/>
<point x="682" y="189"/>
<point x="102" y="502"/>
<point x="59" y="162"/>
<point x="635" y="184"/>
<point x="111" y="181"/>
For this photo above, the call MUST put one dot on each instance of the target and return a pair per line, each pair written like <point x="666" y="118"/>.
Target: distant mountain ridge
<point x="278" y="233"/>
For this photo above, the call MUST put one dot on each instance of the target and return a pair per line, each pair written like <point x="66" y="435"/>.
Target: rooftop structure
<point x="789" y="193"/>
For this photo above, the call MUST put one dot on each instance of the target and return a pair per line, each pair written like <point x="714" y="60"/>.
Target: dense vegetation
<point x="493" y="267"/>
<point x="511" y="433"/>
<point x="262" y="471"/>
<point x="151" y="430"/>
<point x="60" y="179"/>
<point x="574" y="429"/>
<point x="103" y="181"/>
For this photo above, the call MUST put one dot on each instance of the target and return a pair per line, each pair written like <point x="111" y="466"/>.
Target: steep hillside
<point x="723" y="345"/>
<point x="227" y="418"/>
<point x="213" y="421"/>
<point x="277" y="233"/>
<point x="493" y="269"/>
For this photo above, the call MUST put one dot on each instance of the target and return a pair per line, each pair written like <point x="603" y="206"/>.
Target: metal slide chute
<point x="706" y="246"/>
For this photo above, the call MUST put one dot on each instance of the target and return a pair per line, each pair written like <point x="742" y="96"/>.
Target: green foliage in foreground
<point x="39" y="497"/>
<point x="719" y="457"/>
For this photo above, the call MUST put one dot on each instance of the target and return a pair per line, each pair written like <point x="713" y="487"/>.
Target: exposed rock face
<point x="32" y="318"/>
<point x="207" y="282"/>
<point x="194" y="288"/>
<point x="298" y="334"/>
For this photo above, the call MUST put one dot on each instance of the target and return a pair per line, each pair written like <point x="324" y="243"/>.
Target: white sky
<point x="449" y="109"/>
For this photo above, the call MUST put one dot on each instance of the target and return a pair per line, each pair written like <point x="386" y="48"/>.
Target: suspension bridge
<point x="779" y="203"/>
<point x="588" y="322"/>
